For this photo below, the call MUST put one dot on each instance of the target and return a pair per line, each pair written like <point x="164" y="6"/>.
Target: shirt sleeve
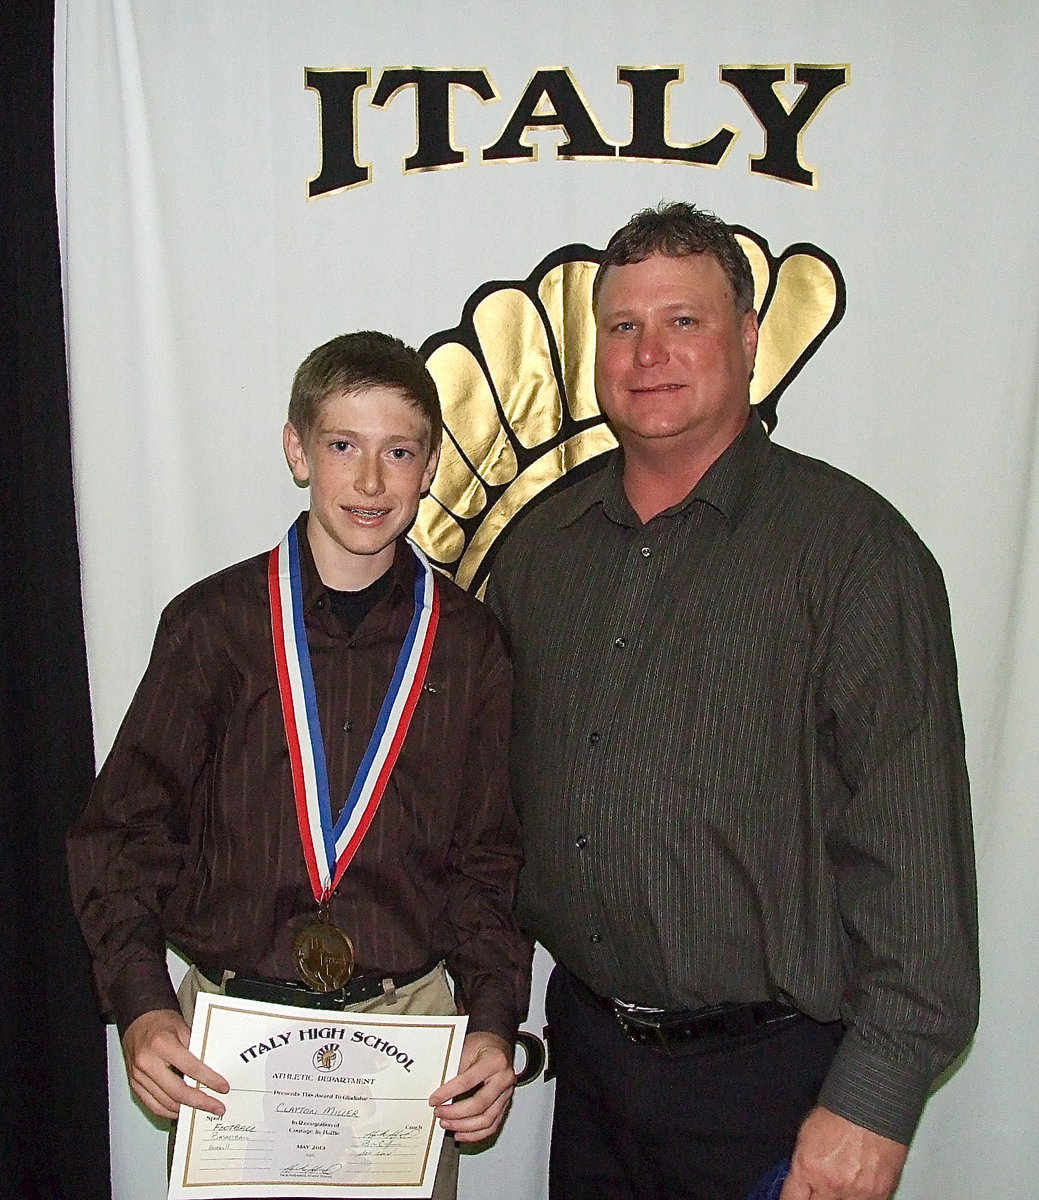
<point x="491" y="957"/>
<point x="127" y="847"/>
<point x="899" y="839"/>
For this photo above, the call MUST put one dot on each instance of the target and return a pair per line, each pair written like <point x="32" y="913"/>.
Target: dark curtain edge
<point x="54" y="1095"/>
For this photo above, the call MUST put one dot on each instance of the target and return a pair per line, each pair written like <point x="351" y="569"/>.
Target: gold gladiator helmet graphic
<point x="327" y="1058"/>
<point x="516" y="381"/>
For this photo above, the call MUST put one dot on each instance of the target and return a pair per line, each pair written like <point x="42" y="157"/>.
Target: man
<point x="739" y="764"/>
<point x="191" y="835"/>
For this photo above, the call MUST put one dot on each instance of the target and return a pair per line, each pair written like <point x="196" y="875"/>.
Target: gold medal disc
<point x="324" y="956"/>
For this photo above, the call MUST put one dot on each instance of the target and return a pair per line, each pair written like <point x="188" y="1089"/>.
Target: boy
<point x="201" y="831"/>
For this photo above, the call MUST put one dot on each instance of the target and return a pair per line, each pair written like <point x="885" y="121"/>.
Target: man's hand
<point x="155" y="1048"/>
<point x="486" y="1065"/>
<point x="834" y="1159"/>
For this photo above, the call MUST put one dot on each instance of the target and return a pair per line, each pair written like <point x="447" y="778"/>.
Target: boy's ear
<point x="295" y="455"/>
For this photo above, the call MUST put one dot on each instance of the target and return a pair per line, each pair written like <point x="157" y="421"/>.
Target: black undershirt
<point x="352" y="607"/>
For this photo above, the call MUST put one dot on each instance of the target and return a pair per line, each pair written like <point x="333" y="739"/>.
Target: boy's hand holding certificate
<point x="320" y="1103"/>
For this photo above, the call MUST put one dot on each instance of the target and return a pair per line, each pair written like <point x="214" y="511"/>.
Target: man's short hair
<point x="354" y="362"/>
<point x="675" y="229"/>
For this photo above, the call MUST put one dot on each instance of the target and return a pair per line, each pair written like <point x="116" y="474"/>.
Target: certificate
<point x="321" y="1103"/>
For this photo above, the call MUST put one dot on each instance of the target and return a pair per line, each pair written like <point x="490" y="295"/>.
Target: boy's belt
<point x="281" y="991"/>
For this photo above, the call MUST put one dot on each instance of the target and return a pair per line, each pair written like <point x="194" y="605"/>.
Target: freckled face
<point x="673" y="358"/>
<point x="368" y="462"/>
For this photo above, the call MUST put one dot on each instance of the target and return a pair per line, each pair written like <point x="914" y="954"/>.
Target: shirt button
<point x="595" y="939"/>
<point x="645" y="552"/>
<point x="348" y="726"/>
<point x="594" y="739"/>
<point x="620" y="643"/>
<point x="581" y="841"/>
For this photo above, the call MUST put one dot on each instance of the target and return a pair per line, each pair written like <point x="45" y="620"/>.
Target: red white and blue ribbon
<point x="329" y="846"/>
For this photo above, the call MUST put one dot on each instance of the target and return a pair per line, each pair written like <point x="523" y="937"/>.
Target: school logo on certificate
<point x="328" y="1057"/>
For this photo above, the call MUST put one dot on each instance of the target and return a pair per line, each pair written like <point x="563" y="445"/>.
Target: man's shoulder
<point x="556" y="509"/>
<point x="799" y="470"/>
<point x="820" y="494"/>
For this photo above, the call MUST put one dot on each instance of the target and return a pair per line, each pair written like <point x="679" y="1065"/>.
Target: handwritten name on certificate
<point x="321" y="1103"/>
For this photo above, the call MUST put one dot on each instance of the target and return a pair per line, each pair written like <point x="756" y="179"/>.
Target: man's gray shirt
<point x="738" y="757"/>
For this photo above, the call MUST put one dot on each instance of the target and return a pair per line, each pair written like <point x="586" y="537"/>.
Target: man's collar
<point x="727" y="486"/>
<point x="732" y="479"/>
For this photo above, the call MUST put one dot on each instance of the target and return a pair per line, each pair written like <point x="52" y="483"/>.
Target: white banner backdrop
<point x="199" y="273"/>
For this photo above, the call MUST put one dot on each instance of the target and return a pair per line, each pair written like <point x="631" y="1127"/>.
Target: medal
<point x="324" y="954"/>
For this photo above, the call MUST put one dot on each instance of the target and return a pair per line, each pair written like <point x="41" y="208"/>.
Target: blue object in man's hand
<point x="770" y="1184"/>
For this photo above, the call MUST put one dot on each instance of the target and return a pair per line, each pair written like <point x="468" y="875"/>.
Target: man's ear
<point x="750" y="339"/>
<point x="431" y="469"/>
<point x="295" y="455"/>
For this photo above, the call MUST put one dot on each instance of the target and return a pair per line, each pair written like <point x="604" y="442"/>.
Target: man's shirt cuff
<point x="875" y="1092"/>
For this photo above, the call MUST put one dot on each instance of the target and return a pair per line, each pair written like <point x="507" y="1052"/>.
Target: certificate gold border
<point x="211" y="1004"/>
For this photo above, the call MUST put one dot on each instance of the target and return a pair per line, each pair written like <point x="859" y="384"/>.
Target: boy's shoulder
<point x="239" y="587"/>
<point x="464" y="609"/>
<point x="237" y="593"/>
<point x="469" y="632"/>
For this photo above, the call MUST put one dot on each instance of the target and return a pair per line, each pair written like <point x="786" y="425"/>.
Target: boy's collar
<point x="403" y="568"/>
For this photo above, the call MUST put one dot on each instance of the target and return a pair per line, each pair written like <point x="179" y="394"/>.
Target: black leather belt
<point x="670" y="1029"/>
<point x="282" y="991"/>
